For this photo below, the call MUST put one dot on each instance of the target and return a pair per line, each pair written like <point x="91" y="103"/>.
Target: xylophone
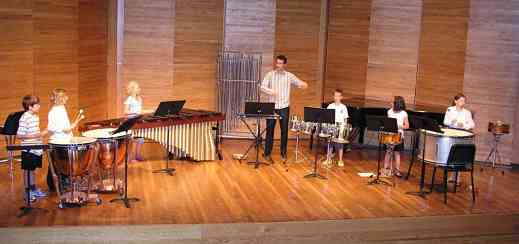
<point x="191" y="132"/>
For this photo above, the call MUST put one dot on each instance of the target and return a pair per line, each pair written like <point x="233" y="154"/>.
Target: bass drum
<point x="72" y="157"/>
<point x="438" y="145"/>
<point x="110" y="146"/>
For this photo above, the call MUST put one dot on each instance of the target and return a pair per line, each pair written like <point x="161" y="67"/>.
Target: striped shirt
<point x="29" y="124"/>
<point x="280" y="82"/>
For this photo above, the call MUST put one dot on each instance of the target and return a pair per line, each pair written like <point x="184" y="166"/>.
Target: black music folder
<point x="167" y="108"/>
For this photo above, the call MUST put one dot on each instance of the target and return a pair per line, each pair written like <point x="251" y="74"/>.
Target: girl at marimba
<point x="133" y="107"/>
<point x="398" y="112"/>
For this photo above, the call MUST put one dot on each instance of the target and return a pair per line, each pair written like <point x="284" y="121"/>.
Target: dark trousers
<point x="284" y="114"/>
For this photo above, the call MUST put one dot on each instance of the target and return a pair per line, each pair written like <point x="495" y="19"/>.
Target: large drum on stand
<point x="112" y="149"/>
<point x="71" y="161"/>
<point x="438" y="145"/>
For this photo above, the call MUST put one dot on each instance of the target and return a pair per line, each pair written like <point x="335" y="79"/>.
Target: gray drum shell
<point x="437" y="147"/>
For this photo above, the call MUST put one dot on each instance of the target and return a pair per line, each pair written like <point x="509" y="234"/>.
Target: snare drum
<point x="72" y="157"/>
<point x="110" y="146"/>
<point x="498" y="128"/>
<point x="389" y="138"/>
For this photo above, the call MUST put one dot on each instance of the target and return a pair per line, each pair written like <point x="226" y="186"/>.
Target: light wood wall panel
<point x="16" y="55"/>
<point x="148" y="49"/>
<point x="516" y="130"/>
<point x="198" y="27"/>
<point x="347" y="47"/>
<point x="393" y="49"/>
<point x="442" y="51"/>
<point x="297" y="37"/>
<point x="93" y="96"/>
<point x="250" y="26"/>
<point x="491" y="78"/>
<point x="56" y="52"/>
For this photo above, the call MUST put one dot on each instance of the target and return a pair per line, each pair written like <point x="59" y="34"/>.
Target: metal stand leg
<point x="166" y="170"/>
<point x="377" y="179"/>
<point x="315" y="173"/>
<point x="25" y="210"/>
<point x="298" y="152"/>
<point x="125" y="199"/>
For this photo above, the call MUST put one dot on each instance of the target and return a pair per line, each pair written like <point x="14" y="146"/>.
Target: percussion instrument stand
<point x="421" y="193"/>
<point x="494" y="152"/>
<point x="167" y="170"/>
<point x="377" y="179"/>
<point x="298" y="151"/>
<point x="328" y="161"/>
<point x="126" y="126"/>
<point x="28" y="208"/>
<point x="124" y="198"/>
<point x="258" y="134"/>
<point x="315" y="173"/>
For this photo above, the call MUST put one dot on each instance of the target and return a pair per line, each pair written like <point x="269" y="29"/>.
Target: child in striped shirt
<point x="29" y="132"/>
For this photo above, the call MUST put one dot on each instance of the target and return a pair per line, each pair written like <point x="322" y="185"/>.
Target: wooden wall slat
<point x="250" y="26"/>
<point x="198" y="24"/>
<point x="297" y="37"/>
<point x="92" y="59"/>
<point x="16" y="55"/>
<point x="56" y="52"/>
<point x="491" y="78"/>
<point x="442" y="51"/>
<point x="393" y="49"/>
<point x="348" y="41"/>
<point x="148" y="49"/>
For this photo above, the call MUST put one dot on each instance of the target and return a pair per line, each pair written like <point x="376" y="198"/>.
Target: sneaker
<point x="340" y="163"/>
<point x="32" y="198"/>
<point x="39" y="193"/>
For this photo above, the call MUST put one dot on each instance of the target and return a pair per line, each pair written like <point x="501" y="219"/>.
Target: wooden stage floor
<point x="229" y="192"/>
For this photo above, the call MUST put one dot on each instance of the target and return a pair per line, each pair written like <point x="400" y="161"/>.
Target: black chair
<point x="461" y="159"/>
<point x="9" y="131"/>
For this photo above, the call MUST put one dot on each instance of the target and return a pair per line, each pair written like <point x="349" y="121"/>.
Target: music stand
<point x="257" y="110"/>
<point x="125" y="127"/>
<point x="428" y="124"/>
<point x="167" y="109"/>
<point x="380" y="124"/>
<point x="415" y="124"/>
<point x="319" y="116"/>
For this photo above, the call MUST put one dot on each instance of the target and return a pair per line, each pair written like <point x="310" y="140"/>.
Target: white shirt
<point x="58" y="123"/>
<point x="400" y="118"/>
<point x="341" y="112"/>
<point x="29" y="124"/>
<point x="280" y="82"/>
<point x="453" y="117"/>
<point x="134" y="105"/>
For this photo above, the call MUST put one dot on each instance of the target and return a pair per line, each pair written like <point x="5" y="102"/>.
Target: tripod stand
<point x="258" y="111"/>
<point x="318" y="116"/>
<point x="381" y="124"/>
<point x="125" y="127"/>
<point x="299" y="156"/>
<point x="167" y="170"/>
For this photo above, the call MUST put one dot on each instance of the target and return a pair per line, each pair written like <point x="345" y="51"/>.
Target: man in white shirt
<point x="276" y="84"/>
<point x="341" y="117"/>
<point x="457" y="116"/>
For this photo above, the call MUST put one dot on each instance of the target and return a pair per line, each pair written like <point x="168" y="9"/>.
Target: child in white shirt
<point x="341" y="118"/>
<point x="59" y="125"/>
<point x="398" y="112"/>
<point x="458" y="116"/>
<point x="133" y="107"/>
<point x="29" y="132"/>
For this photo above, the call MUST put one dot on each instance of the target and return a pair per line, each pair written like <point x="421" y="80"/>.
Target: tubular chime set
<point x="238" y="76"/>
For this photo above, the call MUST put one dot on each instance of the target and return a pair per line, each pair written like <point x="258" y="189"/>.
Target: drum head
<point x="456" y="133"/>
<point x="73" y="141"/>
<point x="105" y="133"/>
